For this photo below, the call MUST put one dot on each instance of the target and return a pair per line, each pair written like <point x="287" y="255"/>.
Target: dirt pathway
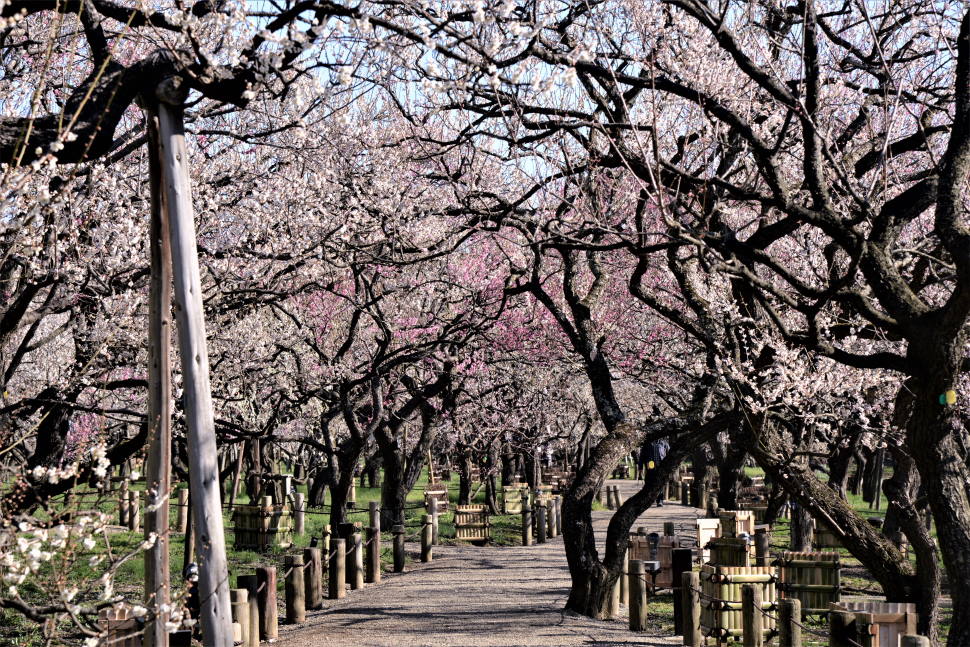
<point x="470" y="596"/>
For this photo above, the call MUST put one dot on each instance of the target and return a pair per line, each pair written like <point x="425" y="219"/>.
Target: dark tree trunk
<point x="465" y="477"/>
<point x="839" y="470"/>
<point x="861" y="459"/>
<point x="508" y="466"/>
<point x="801" y="529"/>
<point x="730" y="471"/>
<point x="393" y="491"/>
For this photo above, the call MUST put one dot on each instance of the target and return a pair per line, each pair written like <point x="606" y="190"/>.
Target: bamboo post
<point x="295" y="589"/>
<point x="372" y="571"/>
<point x="433" y="504"/>
<point x="266" y="591"/>
<point x="182" y="512"/>
<point x="158" y="465"/>
<point x="337" y="582"/>
<point x="526" y="521"/>
<point x="134" y="510"/>
<point x="761" y="542"/>
<point x="355" y="563"/>
<point x="399" y="554"/>
<point x="239" y="599"/>
<point x="426" y="538"/>
<point x="204" y="479"/>
<point x="299" y="508"/>
<point x="540" y="522"/>
<point x="691" y="601"/>
<point x="250" y="584"/>
<point x="313" y="577"/>
<point x="752" y="620"/>
<point x="789" y="617"/>
<point x="638" y="595"/>
<point x="681" y="562"/>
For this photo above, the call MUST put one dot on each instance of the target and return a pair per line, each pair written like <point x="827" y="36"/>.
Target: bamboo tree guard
<point x="879" y="624"/>
<point x="176" y="198"/>
<point x="729" y="551"/>
<point x="813" y="578"/>
<point x="721" y="599"/>
<point x="707" y="530"/>
<point x="512" y="498"/>
<point x="736" y="522"/>
<point x="472" y="523"/>
<point x="823" y="536"/>
<point x="438" y="492"/>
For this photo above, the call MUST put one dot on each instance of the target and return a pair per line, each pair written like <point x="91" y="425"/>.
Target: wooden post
<point x="355" y="562"/>
<point x="681" y="561"/>
<point x="617" y="500"/>
<point x="752" y="620"/>
<point x="668" y="529"/>
<point x="526" y="521"/>
<point x="299" y="509"/>
<point x="251" y="586"/>
<point x="123" y="504"/>
<point x="684" y="493"/>
<point x="638" y="595"/>
<point x="266" y="592"/>
<point x="215" y="617"/>
<point x="691" y="601"/>
<point x="134" y="510"/>
<point x="295" y="589"/>
<point x="182" y="512"/>
<point x="337" y="581"/>
<point x="609" y="498"/>
<point x="625" y="590"/>
<point x="313" y="577"/>
<point x="540" y="522"/>
<point x="558" y="502"/>
<point x="614" y="609"/>
<point x="158" y="465"/>
<point x="426" y="538"/>
<point x="325" y="550"/>
<point x="239" y="599"/>
<point x="761" y="541"/>
<point x="550" y="520"/>
<point x="372" y="570"/>
<point x="789" y="617"/>
<point x="399" y="554"/>
<point x="434" y="520"/>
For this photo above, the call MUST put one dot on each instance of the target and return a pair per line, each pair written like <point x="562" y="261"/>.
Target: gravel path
<point x="488" y="596"/>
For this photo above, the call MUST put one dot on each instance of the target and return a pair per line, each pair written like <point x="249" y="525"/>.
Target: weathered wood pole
<point x="299" y="511"/>
<point x="337" y="581"/>
<point x="134" y="510"/>
<point x="789" y="617"/>
<point x="638" y="595"/>
<point x="540" y="522"/>
<point x="550" y="519"/>
<point x="681" y="562"/>
<point x="266" y="594"/>
<point x="215" y="616"/>
<point x="433" y="510"/>
<point x="295" y="589"/>
<point x="614" y="609"/>
<point x="426" y="537"/>
<point x="372" y="566"/>
<point x="182" y="511"/>
<point x="617" y="500"/>
<point x="313" y="577"/>
<point x="526" y="521"/>
<point x="668" y="529"/>
<point x="752" y="619"/>
<point x="251" y="585"/>
<point x="761" y="542"/>
<point x="239" y="599"/>
<point x="691" y="601"/>
<point x="355" y="562"/>
<point x="399" y="553"/>
<point x="325" y="550"/>
<point x="158" y="465"/>
<point x="609" y="498"/>
<point x="684" y="493"/>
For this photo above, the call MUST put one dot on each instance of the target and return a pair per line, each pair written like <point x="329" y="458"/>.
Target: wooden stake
<point x="426" y="543"/>
<point x="266" y="593"/>
<point x="251" y="584"/>
<point x="313" y="577"/>
<point x="638" y="595"/>
<point x="295" y="589"/>
<point x="691" y="601"/>
<point x="372" y="561"/>
<point x="337" y="582"/>
<point x="239" y="599"/>
<point x="299" y="507"/>
<point x="789" y="617"/>
<point x="526" y="521"/>
<point x="182" y="511"/>
<point x="355" y="562"/>
<point x="752" y="620"/>
<point x="215" y="618"/>
<point x="399" y="554"/>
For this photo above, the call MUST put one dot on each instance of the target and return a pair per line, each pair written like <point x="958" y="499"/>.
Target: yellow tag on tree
<point x="650" y="465"/>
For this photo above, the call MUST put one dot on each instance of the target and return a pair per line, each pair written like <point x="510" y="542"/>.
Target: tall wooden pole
<point x="216" y="618"/>
<point x="159" y="464"/>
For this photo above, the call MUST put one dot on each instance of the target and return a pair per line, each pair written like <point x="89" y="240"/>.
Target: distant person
<point x="651" y="455"/>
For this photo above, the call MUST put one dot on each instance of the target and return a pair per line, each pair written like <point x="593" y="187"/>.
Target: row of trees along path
<point x="470" y="595"/>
